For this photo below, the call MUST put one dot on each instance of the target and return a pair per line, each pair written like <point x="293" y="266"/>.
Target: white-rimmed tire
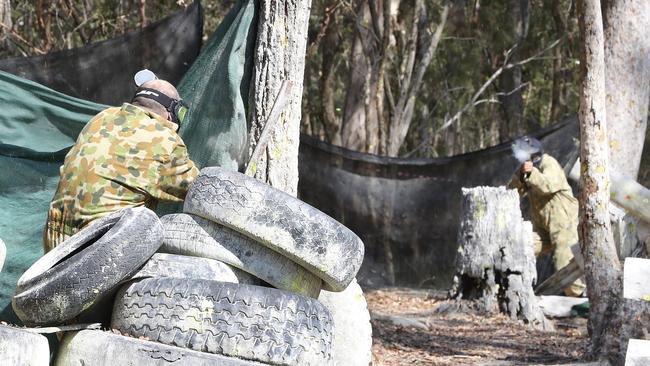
<point x="352" y="332"/>
<point x="192" y="235"/>
<point x="279" y="221"/>
<point x="99" y="348"/>
<point x="22" y="348"/>
<point x="255" y="323"/>
<point x="91" y="264"/>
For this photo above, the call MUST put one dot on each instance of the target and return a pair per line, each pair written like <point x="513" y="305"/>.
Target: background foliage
<point x="475" y="40"/>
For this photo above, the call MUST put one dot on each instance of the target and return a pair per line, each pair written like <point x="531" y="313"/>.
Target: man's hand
<point x="527" y="167"/>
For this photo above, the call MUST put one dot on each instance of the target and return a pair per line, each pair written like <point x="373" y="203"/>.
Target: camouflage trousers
<point x="562" y="255"/>
<point x="55" y="233"/>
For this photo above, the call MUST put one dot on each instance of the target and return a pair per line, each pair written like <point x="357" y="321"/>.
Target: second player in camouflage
<point x="554" y="213"/>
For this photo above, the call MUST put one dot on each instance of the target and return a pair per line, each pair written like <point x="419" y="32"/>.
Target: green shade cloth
<point x="38" y="125"/>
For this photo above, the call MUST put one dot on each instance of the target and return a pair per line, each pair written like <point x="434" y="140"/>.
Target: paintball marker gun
<point x="527" y="149"/>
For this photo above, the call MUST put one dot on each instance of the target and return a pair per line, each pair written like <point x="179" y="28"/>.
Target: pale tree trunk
<point x="602" y="267"/>
<point x="279" y="55"/>
<point x="329" y="48"/>
<point x="5" y="17"/>
<point x="384" y="34"/>
<point x="512" y="100"/>
<point x="627" y="58"/>
<point x="360" y="127"/>
<point x="353" y="134"/>
<point x="422" y="47"/>
<point x="557" y="98"/>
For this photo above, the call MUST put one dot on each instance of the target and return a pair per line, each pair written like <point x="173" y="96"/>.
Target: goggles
<point x="177" y="108"/>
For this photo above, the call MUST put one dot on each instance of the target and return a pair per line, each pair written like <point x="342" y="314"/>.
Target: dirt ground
<point x="407" y="332"/>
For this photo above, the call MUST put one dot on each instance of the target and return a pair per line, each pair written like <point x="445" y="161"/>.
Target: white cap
<point x="143" y="76"/>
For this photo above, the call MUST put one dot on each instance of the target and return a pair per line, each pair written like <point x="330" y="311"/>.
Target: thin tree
<point x="279" y="55"/>
<point x="627" y="61"/>
<point x="602" y="267"/>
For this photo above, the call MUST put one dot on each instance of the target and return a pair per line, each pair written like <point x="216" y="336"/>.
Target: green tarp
<point x="38" y="125"/>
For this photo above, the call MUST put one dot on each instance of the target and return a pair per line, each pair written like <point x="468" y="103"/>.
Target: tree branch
<point x="492" y="78"/>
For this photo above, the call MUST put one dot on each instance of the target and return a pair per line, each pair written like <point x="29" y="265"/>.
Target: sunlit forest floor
<point x="407" y="332"/>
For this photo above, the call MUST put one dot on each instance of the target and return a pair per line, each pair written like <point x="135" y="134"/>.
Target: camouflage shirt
<point x="124" y="157"/>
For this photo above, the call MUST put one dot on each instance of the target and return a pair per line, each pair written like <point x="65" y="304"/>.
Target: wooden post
<point x="495" y="264"/>
<point x="625" y="191"/>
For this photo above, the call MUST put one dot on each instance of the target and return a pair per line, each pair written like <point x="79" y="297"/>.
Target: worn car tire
<point x="183" y="266"/>
<point x="280" y="221"/>
<point x="22" y="348"/>
<point x="250" y="322"/>
<point x="88" y="266"/>
<point x="352" y="332"/>
<point x="99" y="348"/>
<point x="192" y="235"/>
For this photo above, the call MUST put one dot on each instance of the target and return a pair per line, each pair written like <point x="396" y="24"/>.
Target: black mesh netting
<point x="103" y="71"/>
<point x="408" y="208"/>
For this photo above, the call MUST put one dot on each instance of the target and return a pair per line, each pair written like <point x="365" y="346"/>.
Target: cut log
<point x="625" y="236"/>
<point x="495" y="264"/>
<point x="636" y="279"/>
<point x="638" y="353"/>
<point x="625" y="191"/>
<point x="560" y="279"/>
<point x="559" y="306"/>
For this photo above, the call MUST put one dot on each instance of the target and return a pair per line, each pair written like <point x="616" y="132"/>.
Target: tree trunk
<point x="627" y="58"/>
<point x="557" y="100"/>
<point x="602" y="267"/>
<point x="353" y="135"/>
<point x="5" y="18"/>
<point x="495" y="264"/>
<point x="279" y="55"/>
<point x="329" y="48"/>
<point x="512" y="100"/>
<point x="422" y="54"/>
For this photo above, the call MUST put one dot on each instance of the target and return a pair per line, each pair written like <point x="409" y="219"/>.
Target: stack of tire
<point x="247" y="275"/>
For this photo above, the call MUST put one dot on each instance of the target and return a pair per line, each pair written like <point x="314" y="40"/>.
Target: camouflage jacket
<point x="554" y="209"/>
<point x="124" y="157"/>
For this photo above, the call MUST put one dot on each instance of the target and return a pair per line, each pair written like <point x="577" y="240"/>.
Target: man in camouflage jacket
<point x="125" y="156"/>
<point x="554" y="211"/>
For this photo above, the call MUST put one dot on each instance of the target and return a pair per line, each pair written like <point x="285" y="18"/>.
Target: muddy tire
<point x="98" y="348"/>
<point x="250" y="322"/>
<point x="183" y="266"/>
<point x="352" y="332"/>
<point x="192" y="235"/>
<point x="87" y="267"/>
<point x="279" y="221"/>
<point x="20" y="347"/>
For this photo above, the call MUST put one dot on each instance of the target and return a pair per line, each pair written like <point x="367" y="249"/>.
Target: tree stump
<point x="495" y="264"/>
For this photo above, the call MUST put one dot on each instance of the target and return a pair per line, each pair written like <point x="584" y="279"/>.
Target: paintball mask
<point x="527" y="149"/>
<point x="177" y="108"/>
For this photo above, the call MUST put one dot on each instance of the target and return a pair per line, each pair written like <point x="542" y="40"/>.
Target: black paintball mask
<point x="528" y="149"/>
<point x="177" y="108"/>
